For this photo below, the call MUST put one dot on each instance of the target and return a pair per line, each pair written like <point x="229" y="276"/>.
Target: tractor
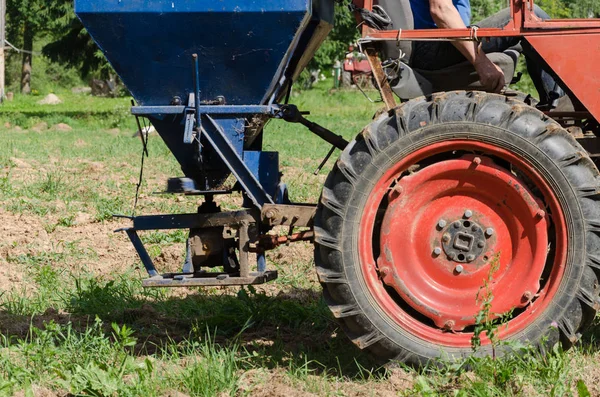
<point x="450" y="194"/>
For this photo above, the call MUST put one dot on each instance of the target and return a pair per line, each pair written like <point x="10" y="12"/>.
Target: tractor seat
<point x="412" y="83"/>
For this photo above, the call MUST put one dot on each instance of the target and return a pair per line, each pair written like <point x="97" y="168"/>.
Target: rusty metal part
<point x="254" y="128"/>
<point x="269" y="242"/>
<point x="244" y="249"/>
<point x="206" y="246"/>
<point x="208" y="280"/>
<point x="195" y="221"/>
<point x="591" y="144"/>
<point x="288" y="215"/>
<point x="382" y="82"/>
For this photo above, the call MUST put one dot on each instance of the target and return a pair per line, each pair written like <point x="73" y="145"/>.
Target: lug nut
<point x="489" y="232"/>
<point x="442" y="224"/>
<point x="449" y="325"/>
<point x="477" y="160"/>
<point x="541" y="214"/>
<point x="270" y="214"/>
<point x="457" y="224"/>
<point x="470" y="258"/>
<point x="481" y="243"/>
<point x="446" y="237"/>
<point x="468" y="214"/>
<point x="437" y="251"/>
<point x="459" y="269"/>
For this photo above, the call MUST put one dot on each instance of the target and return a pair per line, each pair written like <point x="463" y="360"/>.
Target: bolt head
<point x="489" y="232"/>
<point x="457" y="224"/>
<point x="477" y="160"/>
<point x="437" y="251"/>
<point x="459" y="269"/>
<point x="481" y="243"/>
<point x="446" y="237"/>
<point x="470" y="258"/>
<point x="384" y="271"/>
<point x="541" y="214"/>
<point x="442" y="224"/>
<point x="468" y="214"/>
<point x="449" y="324"/>
<point x="270" y="214"/>
<point x="527" y="296"/>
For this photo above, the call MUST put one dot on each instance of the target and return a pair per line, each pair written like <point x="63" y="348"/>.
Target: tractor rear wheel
<point x="449" y="202"/>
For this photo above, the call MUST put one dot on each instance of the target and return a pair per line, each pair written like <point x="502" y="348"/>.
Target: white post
<point x="2" y="44"/>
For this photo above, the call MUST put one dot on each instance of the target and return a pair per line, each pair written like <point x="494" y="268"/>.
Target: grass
<point x="74" y="319"/>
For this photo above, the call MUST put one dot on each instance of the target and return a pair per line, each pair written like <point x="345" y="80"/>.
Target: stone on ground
<point x="51" y="99"/>
<point x="39" y="127"/>
<point x="62" y="127"/>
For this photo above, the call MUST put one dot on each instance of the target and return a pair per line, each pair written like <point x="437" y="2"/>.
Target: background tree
<point x="72" y="46"/>
<point x="335" y="47"/>
<point x="26" y="20"/>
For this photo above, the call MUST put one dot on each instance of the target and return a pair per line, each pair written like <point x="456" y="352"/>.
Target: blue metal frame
<point x="237" y="110"/>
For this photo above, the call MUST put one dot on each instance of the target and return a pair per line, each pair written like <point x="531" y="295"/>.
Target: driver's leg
<point x="543" y="81"/>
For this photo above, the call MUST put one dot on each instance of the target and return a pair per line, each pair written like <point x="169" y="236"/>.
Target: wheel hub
<point x="463" y="241"/>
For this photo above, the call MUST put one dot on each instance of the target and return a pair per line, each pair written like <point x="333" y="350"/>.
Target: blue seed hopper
<point x="209" y="75"/>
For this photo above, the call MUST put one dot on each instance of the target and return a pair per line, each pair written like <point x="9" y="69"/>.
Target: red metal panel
<point x="575" y="59"/>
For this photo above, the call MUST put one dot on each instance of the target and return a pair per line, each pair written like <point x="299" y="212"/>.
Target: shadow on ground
<point x="293" y="329"/>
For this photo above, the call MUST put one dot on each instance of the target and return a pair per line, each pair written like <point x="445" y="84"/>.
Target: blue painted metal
<point x="197" y="94"/>
<point x="265" y="167"/>
<point x="247" y="51"/>
<point x="218" y="139"/>
<point x="244" y="46"/>
<point x="261" y="263"/>
<point x="142" y="253"/>
<point x="239" y="110"/>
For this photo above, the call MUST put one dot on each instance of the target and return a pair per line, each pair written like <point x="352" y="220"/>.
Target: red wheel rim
<point x="443" y="226"/>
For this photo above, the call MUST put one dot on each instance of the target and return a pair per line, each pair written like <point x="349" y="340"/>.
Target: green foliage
<point x="336" y="46"/>
<point x="484" y="321"/>
<point x="482" y="9"/>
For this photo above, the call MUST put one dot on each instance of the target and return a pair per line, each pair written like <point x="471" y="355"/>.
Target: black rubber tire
<point x="347" y="80"/>
<point x="457" y="115"/>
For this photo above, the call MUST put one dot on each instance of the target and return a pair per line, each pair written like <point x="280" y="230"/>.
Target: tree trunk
<point x="27" y="60"/>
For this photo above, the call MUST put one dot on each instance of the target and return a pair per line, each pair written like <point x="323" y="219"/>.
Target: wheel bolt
<point x="449" y="325"/>
<point x="470" y="258"/>
<point x="459" y="269"/>
<point x="489" y="232"/>
<point x="477" y="160"/>
<point x="481" y="243"/>
<point x="457" y="224"/>
<point x="468" y="214"/>
<point x="437" y="251"/>
<point x="527" y="296"/>
<point x="541" y="214"/>
<point x="384" y="271"/>
<point x="442" y="224"/>
<point x="446" y="237"/>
